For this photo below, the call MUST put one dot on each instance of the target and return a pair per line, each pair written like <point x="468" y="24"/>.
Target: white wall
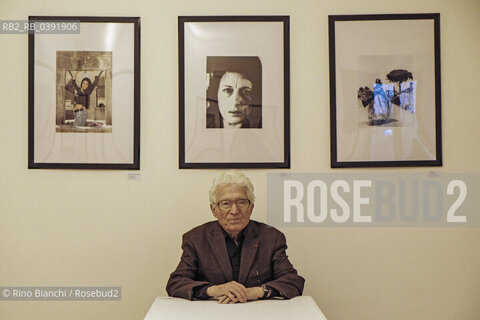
<point x="128" y="233"/>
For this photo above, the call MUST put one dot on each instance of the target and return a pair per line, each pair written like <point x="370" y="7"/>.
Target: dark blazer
<point x="205" y="260"/>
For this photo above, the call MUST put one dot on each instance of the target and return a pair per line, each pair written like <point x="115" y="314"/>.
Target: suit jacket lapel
<point x="249" y="250"/>
<point x="216" y="240"/>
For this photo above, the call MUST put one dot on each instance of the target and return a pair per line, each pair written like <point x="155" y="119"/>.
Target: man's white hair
<point x="232" y="177"/>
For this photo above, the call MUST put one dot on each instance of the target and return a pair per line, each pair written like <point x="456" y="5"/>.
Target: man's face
<point x="234" y="97"/>
<point x="234" y="219"/>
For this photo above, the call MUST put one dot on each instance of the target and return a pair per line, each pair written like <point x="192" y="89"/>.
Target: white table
<point x="298" y="308"/>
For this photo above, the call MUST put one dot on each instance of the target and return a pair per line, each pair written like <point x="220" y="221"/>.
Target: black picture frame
<point x="362" y="47"/>
<point x="106" y="49"/>
<point x="206" y="53"/>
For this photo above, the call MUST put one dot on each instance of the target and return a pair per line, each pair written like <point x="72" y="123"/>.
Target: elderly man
<point x="234" y="259"/>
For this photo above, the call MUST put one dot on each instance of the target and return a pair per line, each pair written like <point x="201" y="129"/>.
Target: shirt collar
<point x="240" y="237"/>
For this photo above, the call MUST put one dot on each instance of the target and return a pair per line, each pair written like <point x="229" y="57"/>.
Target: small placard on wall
<point x="134" y="177"/>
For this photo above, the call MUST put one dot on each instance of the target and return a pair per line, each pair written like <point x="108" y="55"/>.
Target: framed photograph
<point x="84" y="94"/>
<point x="385" y="100"/>
<point x="234" y="92"/>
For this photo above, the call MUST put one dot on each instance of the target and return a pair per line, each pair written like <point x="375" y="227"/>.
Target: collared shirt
<point x="234" y="249"/>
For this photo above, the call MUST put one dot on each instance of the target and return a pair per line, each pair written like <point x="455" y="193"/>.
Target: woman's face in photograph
<point x="85" y="85"/>
<point x="234" y="98"/>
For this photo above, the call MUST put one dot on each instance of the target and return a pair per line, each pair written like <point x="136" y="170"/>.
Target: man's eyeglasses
<point x="241" y="204"/>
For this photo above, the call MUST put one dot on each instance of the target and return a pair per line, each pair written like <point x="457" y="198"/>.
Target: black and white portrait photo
<point x="234" y="92"/>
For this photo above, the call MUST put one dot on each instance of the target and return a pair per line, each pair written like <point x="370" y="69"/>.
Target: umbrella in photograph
<point x="399" y="76"/>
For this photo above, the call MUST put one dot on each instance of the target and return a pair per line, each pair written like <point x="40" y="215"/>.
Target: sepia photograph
<point x="84" y="95"/>
<point x="84" y="91"/>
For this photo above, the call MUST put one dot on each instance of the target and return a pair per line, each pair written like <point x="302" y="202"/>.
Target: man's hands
<point x="233" y="292"/>
<point x="253" y="293"/>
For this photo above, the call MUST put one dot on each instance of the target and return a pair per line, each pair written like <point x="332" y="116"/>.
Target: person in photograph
<point x="407" y="96"/>
<point x="234" y="92"/>
<point x="382" y="100"/>
<point x="234" y="259"/>
<point x="82" y="96"/>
